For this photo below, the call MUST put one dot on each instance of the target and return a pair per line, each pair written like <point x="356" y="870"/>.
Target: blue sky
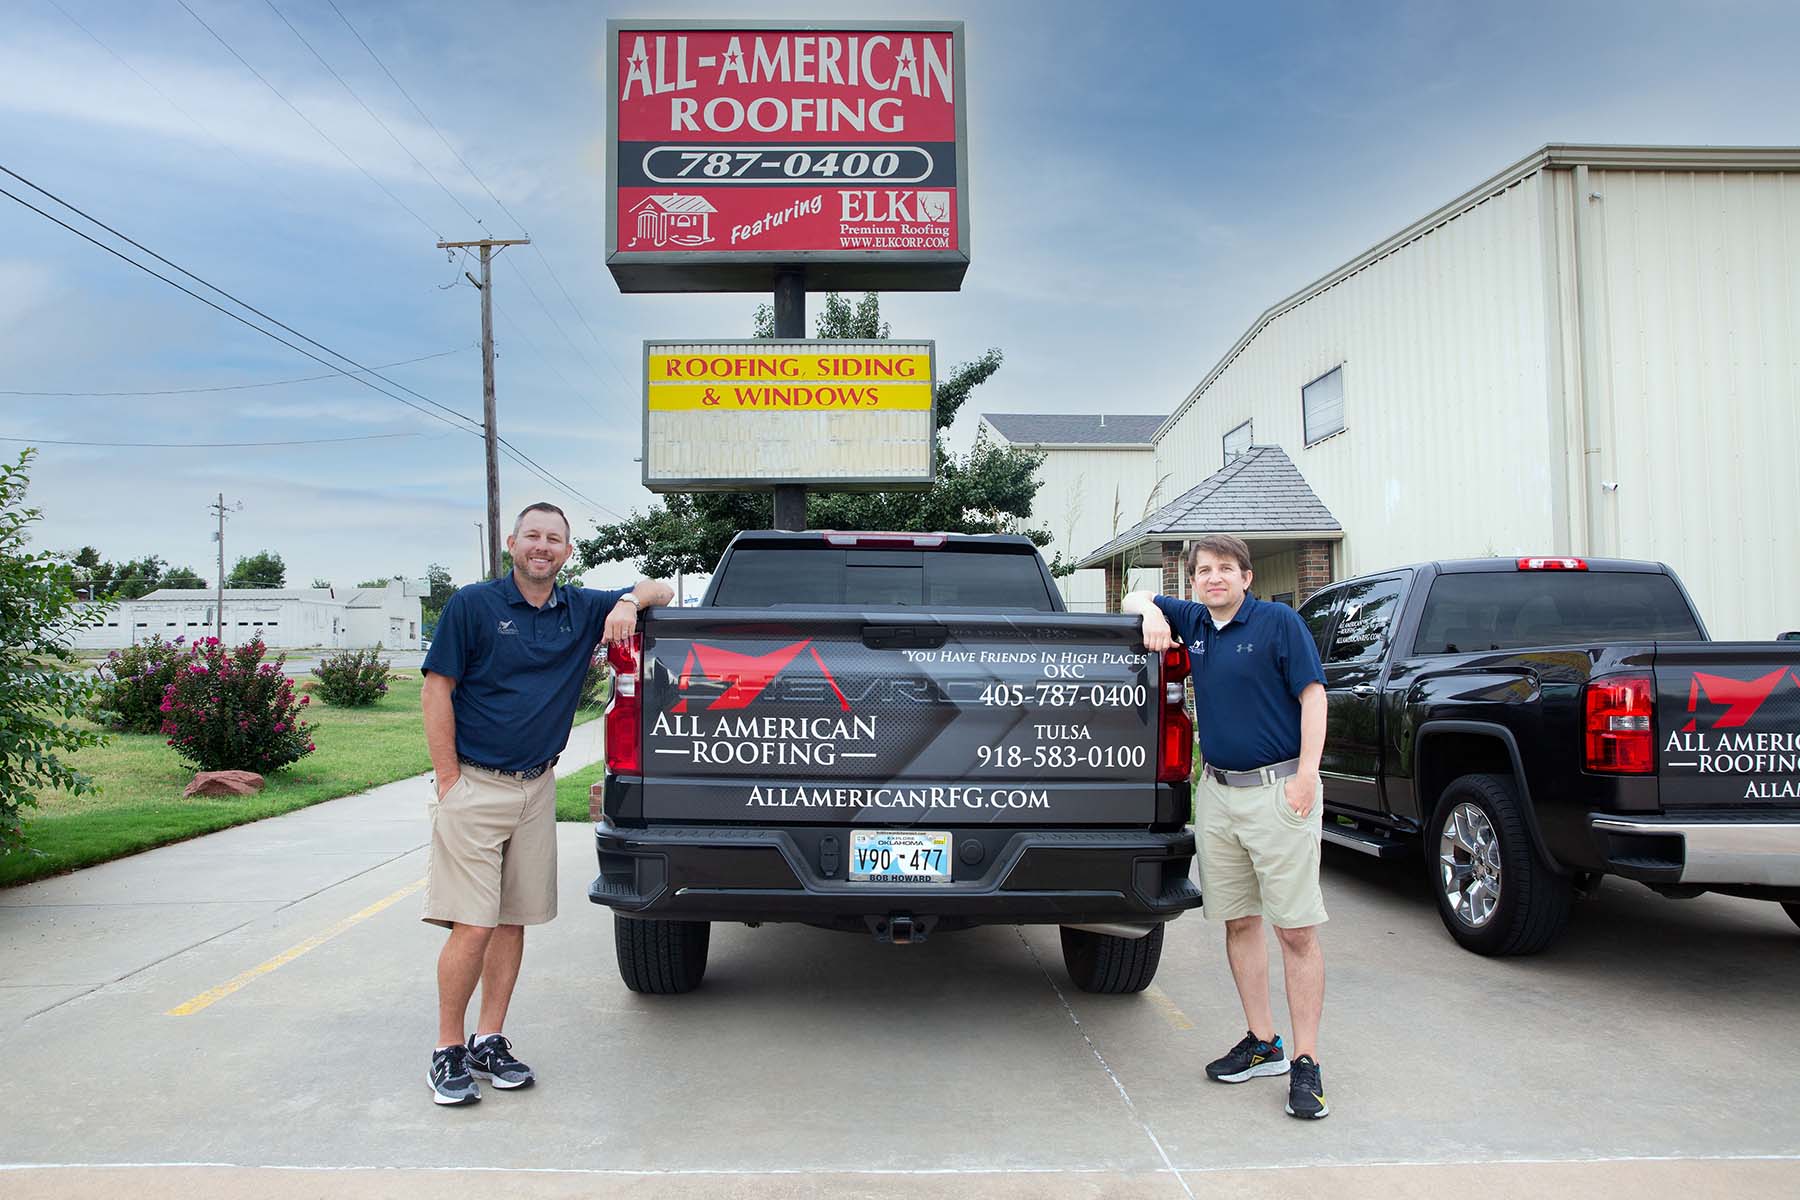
<point x="1146" y="179"/>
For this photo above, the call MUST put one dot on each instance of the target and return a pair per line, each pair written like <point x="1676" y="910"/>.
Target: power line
<point x="366" y="437"/>
<point x="470" y="425"/>
<point x="346" y="154"/>
<point x="235" y="300"/>
<point x="536" y="249"/>
<point x="454" y="198"/>
<point x="210" y="304"/>
<point x="237" y="387"/>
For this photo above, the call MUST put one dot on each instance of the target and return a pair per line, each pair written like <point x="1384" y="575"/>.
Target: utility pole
<point x="488" y="425"/>
<point x="219" y="536"/>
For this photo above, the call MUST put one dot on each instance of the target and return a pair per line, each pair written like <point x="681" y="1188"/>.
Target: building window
<point x="1322" y="405"/>
<point x="1238" y="441"/>
<point x="169" y="624"/>
<point x="273" y="624"/>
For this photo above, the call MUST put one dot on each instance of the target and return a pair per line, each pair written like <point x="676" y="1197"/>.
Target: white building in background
<point x="1595" y="352"/>
<point x="284" y="618"/>
<point x="1099" y="478"/>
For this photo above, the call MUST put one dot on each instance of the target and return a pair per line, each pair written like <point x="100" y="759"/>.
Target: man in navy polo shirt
<point x="502" y="680"/>
<point x="1259" y="703"/>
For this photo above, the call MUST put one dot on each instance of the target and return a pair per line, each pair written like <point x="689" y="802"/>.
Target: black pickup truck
<point x="1534" y="724"/>
<point x="899" y="734"/>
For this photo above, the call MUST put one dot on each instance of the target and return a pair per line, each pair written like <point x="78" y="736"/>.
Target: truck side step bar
<point x="1364" y="841"/>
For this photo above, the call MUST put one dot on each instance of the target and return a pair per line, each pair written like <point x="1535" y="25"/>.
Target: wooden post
<point x="490" y="431"/>
<point x="790" y="322"/>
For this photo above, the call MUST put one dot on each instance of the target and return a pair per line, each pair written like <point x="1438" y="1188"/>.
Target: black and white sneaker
<point x="450" y="1080"/>
<point x="1306" y="1091"/>
<point x="1248" y="1059"/>
<point x="492" y="1059"/>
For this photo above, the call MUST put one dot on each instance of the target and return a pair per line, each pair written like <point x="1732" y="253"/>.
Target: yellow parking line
<point x="213" y="995"/>
<point x="1171" y="1013"/>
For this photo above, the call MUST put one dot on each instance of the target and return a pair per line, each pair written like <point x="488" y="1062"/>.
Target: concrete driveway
<point x="252" y="1012"/>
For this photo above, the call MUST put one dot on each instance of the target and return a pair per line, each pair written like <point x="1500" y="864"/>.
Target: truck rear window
<point x="1489" y="610"/>
<point x="754" y="578"/>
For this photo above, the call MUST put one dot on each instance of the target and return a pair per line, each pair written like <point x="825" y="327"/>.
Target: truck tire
<point x="662" y="958"/>
<point x="1495" y="893"/>
<point x="1099" y="962"/>
<point x="1792" y="908"/>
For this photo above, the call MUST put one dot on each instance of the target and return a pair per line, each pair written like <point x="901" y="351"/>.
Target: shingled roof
<point x="1260" y="492"/>
<point x="1076" y="429"/>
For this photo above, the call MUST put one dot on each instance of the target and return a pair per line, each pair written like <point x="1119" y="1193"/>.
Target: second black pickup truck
<point x="1535" y="724"/>
<point x="900" y="734"/>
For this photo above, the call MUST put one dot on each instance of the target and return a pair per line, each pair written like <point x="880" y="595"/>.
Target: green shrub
<point x="227" y="710"/>
<point x="132" y="683"/>
<point x="39" y="696"/>
<point x="352" y="678"/>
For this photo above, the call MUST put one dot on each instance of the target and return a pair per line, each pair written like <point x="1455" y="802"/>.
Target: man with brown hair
<point x="501" y="683"/>
<point x="1259" y="703"/>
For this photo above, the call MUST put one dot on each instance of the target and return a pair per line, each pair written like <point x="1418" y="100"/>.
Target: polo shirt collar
<point x="509" y="591"/>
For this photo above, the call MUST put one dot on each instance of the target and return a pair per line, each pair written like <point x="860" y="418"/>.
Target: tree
<point x="183" y="577"/>
<point x="94" y="578"/>
<point x="382" y="582"/>
<point x="988" y="490"/>
<point x="38" y="698"/>
<point x="262" y="569"/>
<point x="437" y="580"/>
<point x="321" y="583"/>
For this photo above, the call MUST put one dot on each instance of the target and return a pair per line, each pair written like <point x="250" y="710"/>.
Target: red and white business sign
<point x="736" y="149"/>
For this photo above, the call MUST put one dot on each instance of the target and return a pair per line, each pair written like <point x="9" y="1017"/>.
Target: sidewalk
<point x="65" y="937"/>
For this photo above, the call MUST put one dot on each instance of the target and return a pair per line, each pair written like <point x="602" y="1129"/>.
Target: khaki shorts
<point x="493" y="851"/>
<point x="1257" y="856"/>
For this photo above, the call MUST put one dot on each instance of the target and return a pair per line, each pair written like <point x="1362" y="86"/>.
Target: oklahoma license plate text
<point x="896" y="856"/>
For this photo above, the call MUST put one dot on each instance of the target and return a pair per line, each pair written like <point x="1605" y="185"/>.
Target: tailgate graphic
<point x="984" y="724"/>
<point x="1731" y="734"/>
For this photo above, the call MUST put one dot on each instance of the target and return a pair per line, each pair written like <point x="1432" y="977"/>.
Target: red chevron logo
<point x="747" y="675"/>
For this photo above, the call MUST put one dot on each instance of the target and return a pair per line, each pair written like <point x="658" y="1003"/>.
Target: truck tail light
<point x="1553" y="564"/>
<point x="1619" y="726"/>
<point x="1175" y="729"/>
<point x="921" y="541"/>
<point x="624" y="711"/>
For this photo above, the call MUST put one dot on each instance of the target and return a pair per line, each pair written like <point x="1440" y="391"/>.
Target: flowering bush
<point x="132" y="683"/>
<point x="227" y="710"/>
<point x="352" y="678"/>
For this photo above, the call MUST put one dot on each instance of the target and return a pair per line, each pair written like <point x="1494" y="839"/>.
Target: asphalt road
<point x="252" y="1013"/>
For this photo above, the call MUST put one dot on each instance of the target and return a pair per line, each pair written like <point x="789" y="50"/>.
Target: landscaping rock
<point x="225" y="783"/>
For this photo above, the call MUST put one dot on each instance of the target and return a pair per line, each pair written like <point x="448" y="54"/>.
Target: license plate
<point x="896" y="856"/>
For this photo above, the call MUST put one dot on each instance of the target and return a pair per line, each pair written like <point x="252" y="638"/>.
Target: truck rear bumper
<point x="1689" y="851"/>
<point x="1056" y="876"/>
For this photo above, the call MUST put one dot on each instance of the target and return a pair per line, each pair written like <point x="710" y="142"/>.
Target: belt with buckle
<point x="1261" y="777"/>
<point x="524" y="776"/>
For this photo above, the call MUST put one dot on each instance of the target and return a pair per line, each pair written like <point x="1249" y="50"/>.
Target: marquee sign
<point x="740" y="416"/>
<point x="734" y="149"/>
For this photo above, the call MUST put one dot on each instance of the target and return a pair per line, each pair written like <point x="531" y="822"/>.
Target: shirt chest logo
<point x="507" y="627"/>
<point x="1245" y="648"/>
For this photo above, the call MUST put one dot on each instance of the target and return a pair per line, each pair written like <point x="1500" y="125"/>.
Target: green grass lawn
<point x="572" y="792"/>
<point x="140" y="804"/>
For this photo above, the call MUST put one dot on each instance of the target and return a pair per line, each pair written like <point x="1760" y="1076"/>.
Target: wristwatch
<point x="630" y="599"/>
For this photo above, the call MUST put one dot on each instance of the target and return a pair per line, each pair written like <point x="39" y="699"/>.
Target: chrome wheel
<point x="1469" y="865"/>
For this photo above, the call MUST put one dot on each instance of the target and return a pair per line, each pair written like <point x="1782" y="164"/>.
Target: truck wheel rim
<point x="1469" y="865"/>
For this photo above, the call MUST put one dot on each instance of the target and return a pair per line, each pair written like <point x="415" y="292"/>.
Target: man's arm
<point x="1157" y="634"/>
<point x="621" y="622"/>
<point x="1303" y="788"/>
<point x="440" y="730"/>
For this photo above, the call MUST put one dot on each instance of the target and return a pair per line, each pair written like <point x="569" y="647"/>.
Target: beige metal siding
<point x="1699" y="335"/>
<point x="1086" y="498"/>
<point x="1447" y="447"/>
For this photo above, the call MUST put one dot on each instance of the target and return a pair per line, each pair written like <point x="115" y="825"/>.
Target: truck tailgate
<point x="834" y="716"/>
<point x="1728" y="717"/>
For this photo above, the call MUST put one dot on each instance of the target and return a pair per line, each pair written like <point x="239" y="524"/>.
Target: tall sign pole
<point x="790" y="322"/>
<point x="489" y="423"/>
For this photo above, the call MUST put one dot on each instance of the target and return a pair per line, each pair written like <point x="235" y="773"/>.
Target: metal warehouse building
<point x="1595" y="352"/>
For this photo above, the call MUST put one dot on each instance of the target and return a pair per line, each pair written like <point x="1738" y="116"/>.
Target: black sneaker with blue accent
<point x="1248" y="1059"/>
<point x="492" y="1058"/>
<point x="450" y="1080"/>
<point x="1306" y="1091"/>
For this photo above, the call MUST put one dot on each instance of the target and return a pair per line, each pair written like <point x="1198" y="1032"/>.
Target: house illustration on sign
<point x="681" y="220"/>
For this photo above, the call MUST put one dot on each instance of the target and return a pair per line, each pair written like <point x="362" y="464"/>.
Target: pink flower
<point x="310" y="747"/>
<point x="197" y="669"/>
<point x="280" y="728"/>
<point x="165" y="706"/>
<point x="305" y="700"/>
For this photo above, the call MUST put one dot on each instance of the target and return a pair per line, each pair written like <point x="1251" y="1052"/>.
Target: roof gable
<point x="1076" y="429"/>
